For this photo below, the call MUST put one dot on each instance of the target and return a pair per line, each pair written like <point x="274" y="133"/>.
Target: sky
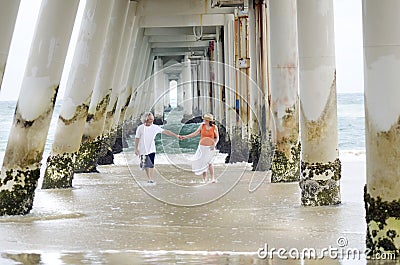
<point x="348" y="45"/>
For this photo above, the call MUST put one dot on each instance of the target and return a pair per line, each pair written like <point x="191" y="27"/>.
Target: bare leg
<point x="149" y="173"/>
<point x="205" y="176"/>
<point x="211" y="168"/>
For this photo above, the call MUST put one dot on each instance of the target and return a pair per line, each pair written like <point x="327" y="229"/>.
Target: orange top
<point x="207" y="136"/>
<point x="207" y="133"/>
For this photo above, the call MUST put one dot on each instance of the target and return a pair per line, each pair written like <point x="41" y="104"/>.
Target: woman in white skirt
<point x="206" y="150"/>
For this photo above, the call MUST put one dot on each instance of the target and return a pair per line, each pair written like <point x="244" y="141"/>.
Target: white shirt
<point x="146" y="135"/>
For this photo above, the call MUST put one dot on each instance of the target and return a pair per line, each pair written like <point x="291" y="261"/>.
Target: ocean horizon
<point x="351" y="126"/>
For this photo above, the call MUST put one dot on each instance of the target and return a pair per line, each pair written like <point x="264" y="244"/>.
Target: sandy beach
<point x="115" y="217"/>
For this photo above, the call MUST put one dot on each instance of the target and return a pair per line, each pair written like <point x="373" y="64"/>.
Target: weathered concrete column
<point x="179" y="93"/>
<point x="126" y="126"/>
<point x="212" y="74"/>
<point x="119" y="94"/>
<point x="284" y="86"/>
<point x="187" y="89"/>
<point x="382" y="113"/>
<point x="259" y="132"/>
<point x="200" y="83"/>
<point x="240" y="134"/>
<point x="8" y="16"/>
<point x="92" y="139"/>
<point x="230" y="79"/>
<point x="158" y="91"/>
<point x="167" y="95"/>
<point x="195" y="78"/>
<point x="219" y="78"/>
<point x="22" y="160"/>
<point x="139" y="49"/>
<point x="139" y="84"/>
<point x="79" y="88"/>
<point x="207" y="86"/>
<point x="243" y="66"/>
<point x="144" y="84"/>
<point x="320" y="164"/>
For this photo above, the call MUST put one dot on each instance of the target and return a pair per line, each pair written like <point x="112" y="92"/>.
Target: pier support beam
<point x="179" y="93"/>
<point x="187" y="89"/>
<point x="195" y="85"/>
<point x="8" y="16"/>
<point x="240" y="136"/>
<point x="382" y="113"/>
<point x="92" y="140"/>
<point x="167" y="95"/>
<point x="158" y="91"/>
<point x="259" y="113"/>
<point x="74" y="110"/>
<point x="219" y="78"/>
<point x="320" y="164"/>
<point x="117" y="95"/>
<point x="22" y="160"/>
<point x="230" y="73"/>
<point x="133" y="110"/>
<point x="284" y="87"/>
<point x="121" y="91"/>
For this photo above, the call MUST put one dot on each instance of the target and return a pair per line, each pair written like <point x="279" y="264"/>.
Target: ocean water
<point x="351" y="127"/>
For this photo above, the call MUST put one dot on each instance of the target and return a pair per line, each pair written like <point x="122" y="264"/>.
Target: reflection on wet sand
<point x="113" y="217"/>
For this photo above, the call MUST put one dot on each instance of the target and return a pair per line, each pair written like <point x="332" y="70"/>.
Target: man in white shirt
<point x="145" y="146"/>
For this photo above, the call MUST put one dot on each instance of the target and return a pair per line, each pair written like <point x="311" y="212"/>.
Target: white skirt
<point x="202" y="158"/>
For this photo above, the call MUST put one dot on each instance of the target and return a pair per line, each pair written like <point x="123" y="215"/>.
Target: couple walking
<point x="145" y="146"/>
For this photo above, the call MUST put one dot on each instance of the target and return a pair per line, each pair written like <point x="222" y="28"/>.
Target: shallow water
<point x="114" y="217"/>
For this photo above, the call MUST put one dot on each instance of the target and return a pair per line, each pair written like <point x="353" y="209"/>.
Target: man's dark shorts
<point x="147" y="161"/>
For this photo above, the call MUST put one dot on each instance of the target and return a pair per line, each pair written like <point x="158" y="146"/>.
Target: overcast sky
<point x="348" y="34"/>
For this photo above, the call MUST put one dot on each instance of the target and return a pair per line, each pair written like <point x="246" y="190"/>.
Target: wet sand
<point x="115" y="217"/>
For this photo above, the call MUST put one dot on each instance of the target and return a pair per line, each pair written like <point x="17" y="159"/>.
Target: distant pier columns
<point x="195" y="78"/>
<point x="159" y="89"/>
<point x="382" y="113"/>
<point x="22" y="160"/>
<point x="167" y="94"/>
<point x="179" y="93"/>
<point x="320" y="164"/>
<point x="204" y="83"/>
<point x="187" y="88"/>
<point x="121" y="90"/>
<point x="81" y="80"/>
<point x="92" y="139"/>
<point x="8" y="16"/>
<point x="284" y="90"/>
